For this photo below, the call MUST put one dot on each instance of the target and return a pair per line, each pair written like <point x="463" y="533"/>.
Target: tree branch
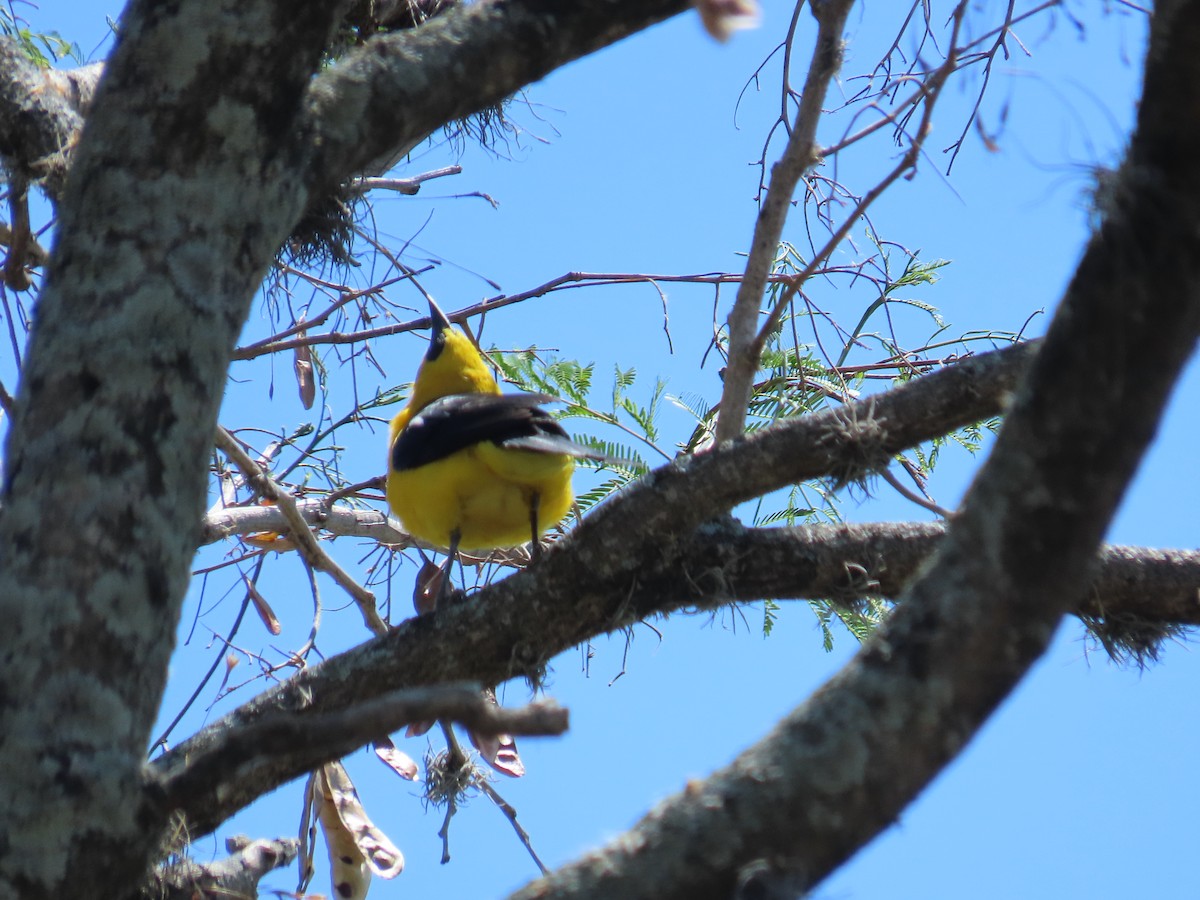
<point x="587" y="583"/>
<point x="842" y="766"/>
<point x="799" y="155"/>
<point x="1133" y="588"/>
<point x="235" y="876"/>
<point x="398" y="88"/>
<point x="295" y="525"/>
<point x="307" y="741"/>
<point x="339" y="521"/>
<point x="734" y="564"/>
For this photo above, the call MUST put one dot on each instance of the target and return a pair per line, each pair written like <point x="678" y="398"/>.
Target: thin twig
<point x="315" y="590"/>
<point x="990" y="56"/>
<point x="798" y="156"/>
<point x="567" y="281"/>
<point x="306" y="541"/>
<point x="252" y="350"/>
<point x="932" y="88"/>
<point x="455" y="759"/>
<point x="237" y="622"/>
<point x="511" y="814"/>
<point x="912" y="496"/>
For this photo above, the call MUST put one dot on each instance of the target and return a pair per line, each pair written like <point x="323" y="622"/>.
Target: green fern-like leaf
<point x="824" y="617"/>
<point x="770" y="614"/>
<point x="43" y="48"/>
<point x="571" y="380"/>
<point x="590" y="497"/>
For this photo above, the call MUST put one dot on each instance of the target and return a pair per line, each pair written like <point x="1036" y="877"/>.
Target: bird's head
<point x="452" y="364"/>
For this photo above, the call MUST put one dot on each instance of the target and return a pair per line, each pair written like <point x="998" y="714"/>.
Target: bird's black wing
<point x="454" y="423"/>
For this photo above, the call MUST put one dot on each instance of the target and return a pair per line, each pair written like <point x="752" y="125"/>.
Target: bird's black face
<point x="440" y="325"/>
<point x="437" y="343"/>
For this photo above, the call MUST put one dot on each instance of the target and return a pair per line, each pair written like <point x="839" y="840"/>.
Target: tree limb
<point x="308" y="741"/>
<point x="587" y="584"/>
<point x="235" y="876"/>
<point x="733" y="564"/>
<point x="800" y="154"/>
<point x="723" y="563"/>
<point x="195" y="164"/>
<point x="398" y="88"/>
<point x="1138" y="595"/>
<point x="841" y="767"/>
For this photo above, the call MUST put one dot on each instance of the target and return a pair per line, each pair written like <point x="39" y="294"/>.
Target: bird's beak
<point x="437" y="318"/>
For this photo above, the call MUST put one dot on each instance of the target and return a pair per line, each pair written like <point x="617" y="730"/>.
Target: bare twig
<point x="309" y="740"/>
<point x="220" y="658"/>
<point x="912" y="496"/>
<point x="567" y="281"/>
<point x="799" y="155"/>
<point x="348" y="296"/>
<point x="932" y="89"/>
<point x="407" y="186"/>
<point x="456" y="760"/>
<point x="306" y="542"/>
<point x="510" y="813"/>
<point x="989" y="58"/>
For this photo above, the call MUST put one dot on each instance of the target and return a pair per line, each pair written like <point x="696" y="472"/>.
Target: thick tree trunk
<point x="204" y="139"/>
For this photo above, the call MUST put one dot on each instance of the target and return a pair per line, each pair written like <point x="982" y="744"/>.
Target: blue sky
<point x="636" y="160"/>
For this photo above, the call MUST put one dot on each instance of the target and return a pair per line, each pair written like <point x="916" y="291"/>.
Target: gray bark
<point x="588" y="583"/>
<point x="842" y="766"/>
<point x="195" y="161"/>
<point x="207" y="139"/>
<point x="177" y="198"/>
<point x="1155" y="587"/>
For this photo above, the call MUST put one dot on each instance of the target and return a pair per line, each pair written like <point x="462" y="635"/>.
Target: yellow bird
<point x="470" y="468"/>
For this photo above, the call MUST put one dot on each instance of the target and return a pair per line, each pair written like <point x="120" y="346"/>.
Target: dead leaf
<point x="306" y="381"/>
<point x="396" y="760"/>
<point x="500" y="750"/>
<point x="721" y="18"/>
<point x="426" y="587"/>
<point x="357" y="848"/>
<point x="263" y="608"/>
<point x="269" y="540"/>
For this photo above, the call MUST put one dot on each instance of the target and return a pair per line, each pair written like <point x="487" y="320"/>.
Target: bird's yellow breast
<point x="485" y="492"/>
